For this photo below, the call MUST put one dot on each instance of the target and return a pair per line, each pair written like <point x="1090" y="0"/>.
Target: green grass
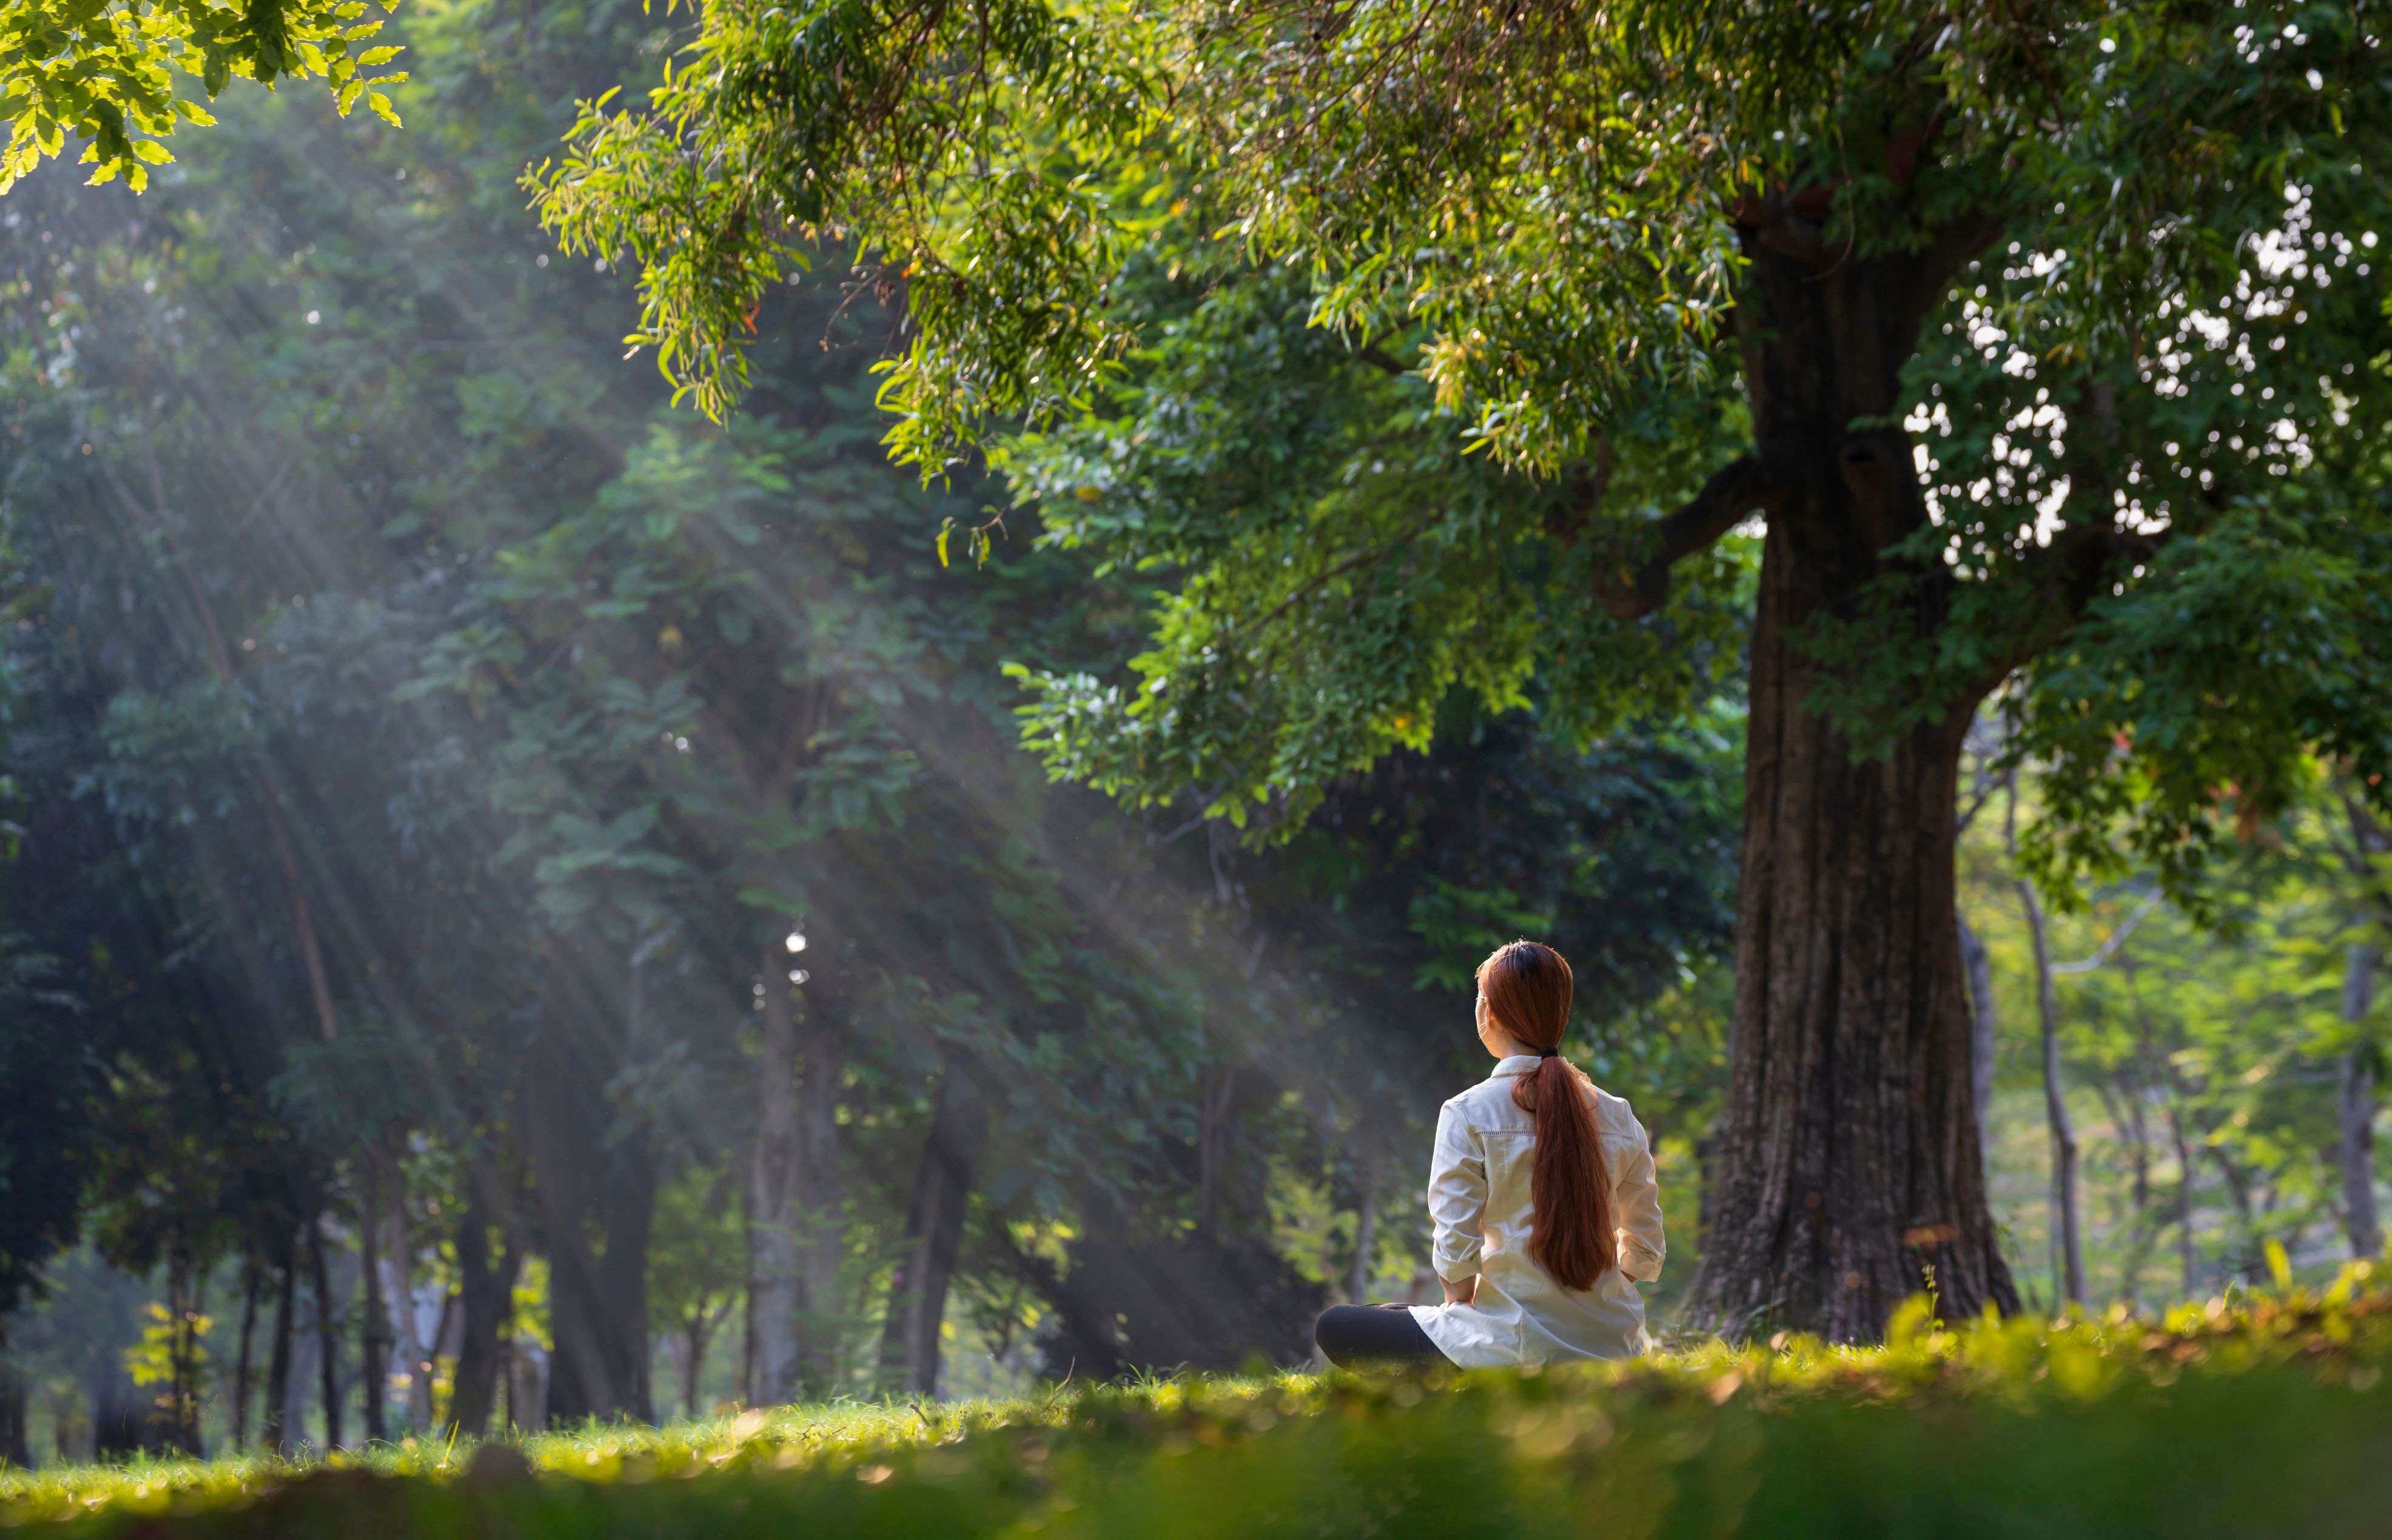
<point x="2272" y="1416"/>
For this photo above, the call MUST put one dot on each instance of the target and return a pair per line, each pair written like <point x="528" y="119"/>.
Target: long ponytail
<point x="1527" y="989"/>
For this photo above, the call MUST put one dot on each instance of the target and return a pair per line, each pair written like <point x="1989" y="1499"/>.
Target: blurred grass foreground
<point x="2267" y="1416"/>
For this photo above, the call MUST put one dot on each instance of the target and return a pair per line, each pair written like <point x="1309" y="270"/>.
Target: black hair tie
<point x="1549" y="1053"/>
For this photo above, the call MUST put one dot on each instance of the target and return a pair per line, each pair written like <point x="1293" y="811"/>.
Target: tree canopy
<point x="105" y="71"/>
<point x="1416" y="348"/>
<point x="2172" y="213"/>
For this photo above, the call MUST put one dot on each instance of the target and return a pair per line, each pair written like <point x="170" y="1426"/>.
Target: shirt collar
<point x="1517" y="1064"/>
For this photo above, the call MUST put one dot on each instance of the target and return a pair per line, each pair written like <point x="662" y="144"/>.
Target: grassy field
<point x="2270" y="1416"/>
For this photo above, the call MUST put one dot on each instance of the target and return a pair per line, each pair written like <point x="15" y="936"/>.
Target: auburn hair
<point x="1527" y="990"/>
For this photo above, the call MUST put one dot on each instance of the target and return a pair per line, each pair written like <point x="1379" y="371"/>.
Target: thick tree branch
<point x="1631" y="579"/>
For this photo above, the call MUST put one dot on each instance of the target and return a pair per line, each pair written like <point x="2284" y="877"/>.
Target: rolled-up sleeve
<point x="1457" y="1196"/>
<point x="1636" y="1200"/>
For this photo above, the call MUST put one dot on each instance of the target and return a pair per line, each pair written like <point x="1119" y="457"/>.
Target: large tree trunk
<point x="1852" y="1165"/>
<point x="2354" y="1099"/>
<point x="773" y="1282"/>
<point x="935" y="1231"/>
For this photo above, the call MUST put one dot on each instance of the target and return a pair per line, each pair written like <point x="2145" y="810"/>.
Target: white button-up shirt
<point x="1478" y="1198"/>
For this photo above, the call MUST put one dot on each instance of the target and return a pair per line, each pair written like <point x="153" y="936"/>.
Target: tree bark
<point x="237" y="1424"/>
<point x="327" y="1332"/>
<point x="704" y="1319"/>
<point x="277" y="1432"/>
<point x="2355" y="1102"/>
<point x="910" y="1344"/>
<point x="1852" y="1161"/>
<point x="373" y="1330"/>
<point x="775" y="1287"/>
<point x="2068" y="1249"/>
<point x="16" y="1400"/>
<point x="592" y="1172"/>
<point x="598" y="1367"/>
<point x="486" y="1298"/>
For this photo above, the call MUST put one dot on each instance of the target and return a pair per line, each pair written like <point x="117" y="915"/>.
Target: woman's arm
<point x="1636" y="1207"/>
<point x="1457" y="1202"/>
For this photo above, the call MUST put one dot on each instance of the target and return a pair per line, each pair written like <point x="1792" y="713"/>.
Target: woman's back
<point x="1481" y="1199"/>
<point x="1542" y="1198"/>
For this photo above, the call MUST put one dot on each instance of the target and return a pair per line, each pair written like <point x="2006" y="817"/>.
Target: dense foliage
<point x="2155" y="296"/>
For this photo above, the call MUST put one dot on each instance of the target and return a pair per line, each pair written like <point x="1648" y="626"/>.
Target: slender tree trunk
<point x="583" y="1377"/>
<point x="2186" y="1254"/>
<point x="2069" y="1251"/>
<point x="2238" y="1188"/>
<point x="589" y="1169"/>
<point x="910" y="1344"/>
<point x="327" y="1332"/>
<point x="252" y="1285"/>
<point x="1851" y="1162"/>
<point x="823" y="1233"/>
<point x="373" y="1330"/>
<point x="485" y="1302"/>
<point x="2146" y="1224"/>
<point x="279" y="1432"/>
<point x="398" y="1293"/>
<point x="16" y="1401"/>
<point x="1366" y="1236"/>
<point x="2355" y="1101"/>
<point x="627" y="1212"/>
<point x="698" y="1333"/>
<point x="190" y="1303"/>
<point x="1984" y="1030"/>
<point x="775" y="1287"/>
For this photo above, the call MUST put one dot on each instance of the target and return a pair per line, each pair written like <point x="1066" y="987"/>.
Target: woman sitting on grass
<point x="1542" y="1194"/>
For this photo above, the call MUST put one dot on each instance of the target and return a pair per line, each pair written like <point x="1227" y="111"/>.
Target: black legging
<point x="1351" y="1336"/>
